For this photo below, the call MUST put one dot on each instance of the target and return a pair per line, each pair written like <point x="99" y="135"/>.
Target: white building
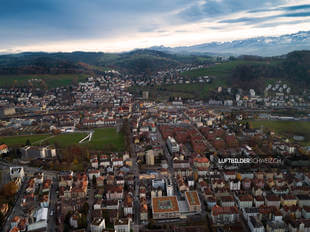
<point x="172" y="145"/>
<point x="150" y="158"/>
<point x="122" y="225"/>
<point x="169" y="187"/>
<point x="17" y="172"/>
<point x="234" y="185"/>
<point x="97" y="225"/>
<point x="252" y="92"/>
<point x="158" y="183"/>
<point x="255" y="225"/>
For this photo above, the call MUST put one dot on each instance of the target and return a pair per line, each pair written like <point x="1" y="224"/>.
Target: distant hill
<point x="244" y="71"/>
<point x="293" y="68"/>
<point x="261" y="46"/>
<point x="135" y="62"/>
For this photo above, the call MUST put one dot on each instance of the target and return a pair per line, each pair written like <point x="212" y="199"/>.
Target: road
<point x="90" y="201"/>
<point x="52" y="207"/>
<point x="135" y="170"/>
<point x="17" y="209"/>
<point x="31" y="170"/>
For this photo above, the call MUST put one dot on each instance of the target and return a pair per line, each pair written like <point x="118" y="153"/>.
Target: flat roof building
<point x="165" y="207"/>
<point x="193" y="201"/>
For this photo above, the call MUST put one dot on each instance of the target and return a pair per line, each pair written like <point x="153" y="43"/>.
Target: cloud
<point x="217" y="8"/>
<point x="286" y="8"/>
<point x="286" y="22"/>
<point x="123" y="25"/>
<point x="58" y="19"/>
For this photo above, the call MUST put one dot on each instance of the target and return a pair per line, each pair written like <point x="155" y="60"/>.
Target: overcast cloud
<point x="120" y="25"/>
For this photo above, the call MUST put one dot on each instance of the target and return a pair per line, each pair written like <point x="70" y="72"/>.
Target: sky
<point x="123" y="25"/>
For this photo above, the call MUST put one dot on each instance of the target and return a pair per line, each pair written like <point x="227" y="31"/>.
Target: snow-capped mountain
<point x="261" y="46"/>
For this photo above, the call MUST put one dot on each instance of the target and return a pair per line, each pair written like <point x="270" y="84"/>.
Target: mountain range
<point x="260" y="46"/>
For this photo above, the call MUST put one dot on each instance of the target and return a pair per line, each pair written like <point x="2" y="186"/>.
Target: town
<point x="95" y="157"/>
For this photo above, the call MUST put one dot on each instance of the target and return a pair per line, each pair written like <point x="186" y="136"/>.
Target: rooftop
<point x="192" y="198"/>
<point x="165" y="204"/>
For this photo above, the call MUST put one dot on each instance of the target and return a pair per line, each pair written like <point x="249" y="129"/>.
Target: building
<point x="158" y="183"/>
<point x="143" y="209"/>
<point x="234" y="185"/>
<point x="32" y="152"/>
<point x="122" y="225"/>
<point x="272" y="200"/>
<point x="303" y="200"/>
<point x="224" y="215"/>
<point x="172" y="145"/>
<point x="245" y="201"/>
<point x="165" y="207"/>
<point x="227" y="201"/>
<point x="145" y="94"/>
<point x="288" y="200"/>
<point x="7" y="111"/>
<point x="276" y="226"/>
<point x="97" y="225"/>
<point x="255" y="224"/>
<point x="17" y="172"/>
<point x="4" y="149"/>
<point x="201" y="162"/>
<point x="193" y="202"/>
<point x="150" y="158"/>
<point x="169" y="187"/>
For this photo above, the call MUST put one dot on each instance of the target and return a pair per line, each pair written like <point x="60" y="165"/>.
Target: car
<point x="51" y="213"/>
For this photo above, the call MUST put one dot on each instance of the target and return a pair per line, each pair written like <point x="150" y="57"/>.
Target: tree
<point x="28" y="143"/>
<point x="82" y="221"/>
<point x="9" y="189"/>
<point x="94" y="180"/>
<point x="247" y="125"/>
<point x="148" y="147"/>
<point x="2" y="219"/>
<point x="85" y="208"/>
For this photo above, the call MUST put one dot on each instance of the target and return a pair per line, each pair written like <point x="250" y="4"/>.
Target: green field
<point x="107" y="139"/>
<point x="20" y="140"/>
<point x="51" y="81"/>
<point x="286" y="129"/>
<point x="103" y="139"/>
<point x="67" y="139"/>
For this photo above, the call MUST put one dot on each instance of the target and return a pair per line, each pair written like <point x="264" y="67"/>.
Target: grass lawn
<point x="107" y="139"/>
<point x="286" y="128"/>
<point x="51" y="81"/>
<point x="20" y="140"/>
<point x="67" y="139"/>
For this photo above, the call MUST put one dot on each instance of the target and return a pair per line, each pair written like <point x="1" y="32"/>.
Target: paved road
<point x="16" y="210"/>
<point x="90" y="202"/>
<point x="52" y="209"/>
<point x="136" y="171"/>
